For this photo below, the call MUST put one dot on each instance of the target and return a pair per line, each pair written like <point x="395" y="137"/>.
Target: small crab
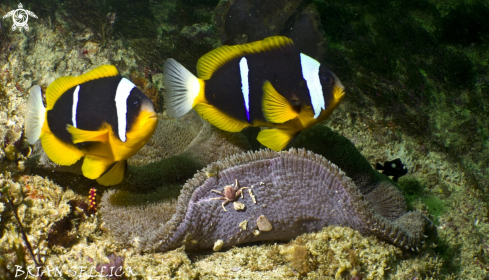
<point x="230" y="194"/>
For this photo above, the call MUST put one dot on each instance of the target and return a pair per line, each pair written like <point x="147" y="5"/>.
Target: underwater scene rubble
<point x="415" y="76"/>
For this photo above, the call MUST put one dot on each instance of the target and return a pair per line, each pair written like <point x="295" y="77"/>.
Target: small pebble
<point x="218" y="245"/>
<point x="238" y="206"/>
<point x="243" y="224"/>
<point x="263" y="223"/>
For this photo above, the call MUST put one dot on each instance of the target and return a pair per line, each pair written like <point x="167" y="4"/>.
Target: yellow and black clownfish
<point x="98" y="115"/>
<point x="267" y="83"/>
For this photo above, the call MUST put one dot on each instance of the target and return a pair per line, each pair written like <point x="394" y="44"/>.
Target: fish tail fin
<point x="182" y="88"/>
<point x="276" y="138"/>
<point x="35" y="115"/>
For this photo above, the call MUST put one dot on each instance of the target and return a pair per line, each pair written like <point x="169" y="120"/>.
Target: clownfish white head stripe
<point x="123" y="90"/>
<point x="310" y="72"/>
<point x="245" y="87"/>
<point x="75" y="105"/>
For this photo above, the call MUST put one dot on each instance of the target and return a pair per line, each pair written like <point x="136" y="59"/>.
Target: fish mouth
<point x="338" y="92"/>
<point x="153" y="116"/>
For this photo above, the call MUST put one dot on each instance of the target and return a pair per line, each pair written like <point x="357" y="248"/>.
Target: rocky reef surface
<point x="416" y="90"/>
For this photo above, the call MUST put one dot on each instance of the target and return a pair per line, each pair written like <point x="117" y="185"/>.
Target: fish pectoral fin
<point x="114" y="175"/>
<point x="276" y="139"/>
<point x="58" y="151"/>
<point x="276" y="108"/>
<point x="80" y="135"/>
<point x="94" y="166"/>
<point x="219" y="119"/>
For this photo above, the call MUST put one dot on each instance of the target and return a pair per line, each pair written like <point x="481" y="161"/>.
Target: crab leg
<point x="217" y="192"/>
<point x="240" y="191"/>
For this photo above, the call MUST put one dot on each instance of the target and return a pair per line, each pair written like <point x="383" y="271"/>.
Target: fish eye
<point x="134" y="104"/>
<point x="328" y="80"/>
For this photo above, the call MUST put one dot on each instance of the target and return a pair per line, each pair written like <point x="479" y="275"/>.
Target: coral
<point x="114" y="269"/>
<point x="295" y="191"/>
<point x="422" y="268"/>
<point x="64" y="231"/>
<point x="8" y="269"/>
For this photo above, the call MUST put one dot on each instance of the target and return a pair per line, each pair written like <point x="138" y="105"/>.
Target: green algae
<point x="435" y="205"/>
<point x="412" y="189"/>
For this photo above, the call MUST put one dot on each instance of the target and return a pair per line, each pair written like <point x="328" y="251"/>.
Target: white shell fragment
<point x="243" y="224"/>
<point x="238" y="206"/>
<point x="263" y="223"/>
<point x="253" y="197"/>
<point x="256" y="232"/>
<point x="218" y="245"/>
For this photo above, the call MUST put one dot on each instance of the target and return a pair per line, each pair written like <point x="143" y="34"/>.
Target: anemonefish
<point x="267" y="83"/>
<point x="100" y="116"/>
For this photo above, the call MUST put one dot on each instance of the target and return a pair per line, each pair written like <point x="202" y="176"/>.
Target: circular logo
<point x="20" y="17"/>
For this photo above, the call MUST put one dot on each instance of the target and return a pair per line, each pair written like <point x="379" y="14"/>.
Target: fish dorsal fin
<point x="80" y="135"/>
<point x="61" y="85"/>
<point x="276" y="108"/>
<point x="211" y="61"/>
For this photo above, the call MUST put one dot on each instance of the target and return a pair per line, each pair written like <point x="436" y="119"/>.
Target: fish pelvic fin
<point x="80" y="135"/>
<point x="276" y="108"/>
<point x="35" y="115"/>
<point x="61" y="85"/>
<point x="276" y="139"/>
<point x="114" y="175"/>
<point x="183" y="89"/>
<point x="220" y="119"/>
<point x="95" y="166"/>
<point x="58" y="151"/>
